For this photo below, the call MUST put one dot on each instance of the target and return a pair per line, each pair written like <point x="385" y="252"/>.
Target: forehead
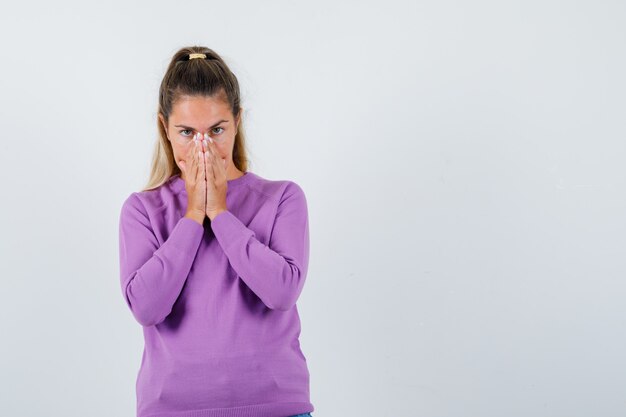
<point x="192" y="109"/>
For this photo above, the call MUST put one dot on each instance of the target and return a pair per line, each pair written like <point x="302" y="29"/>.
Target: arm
<point x="152" y="277"/>
<point x="274" y="272"/>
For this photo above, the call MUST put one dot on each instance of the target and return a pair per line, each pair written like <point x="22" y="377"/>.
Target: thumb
<point x="183" y="167"/>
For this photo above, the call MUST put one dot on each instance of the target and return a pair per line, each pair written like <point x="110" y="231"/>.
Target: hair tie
<point x="192" y="56"/>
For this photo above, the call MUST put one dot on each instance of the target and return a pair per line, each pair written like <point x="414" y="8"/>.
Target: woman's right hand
<point x="195" y="182"/>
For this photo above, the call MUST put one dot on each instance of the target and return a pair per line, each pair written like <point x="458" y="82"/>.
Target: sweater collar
<point x="178" y="184"/>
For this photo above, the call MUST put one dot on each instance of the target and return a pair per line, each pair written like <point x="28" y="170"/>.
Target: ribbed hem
<point x="255" y="410"/>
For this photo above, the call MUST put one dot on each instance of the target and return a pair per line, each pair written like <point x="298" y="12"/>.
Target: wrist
<point x="195" y="215"/>
<point x="213" y="214"/>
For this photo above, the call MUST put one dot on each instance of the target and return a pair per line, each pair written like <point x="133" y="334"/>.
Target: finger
<point x="208" y="143"/>
<point x="205" y="149"/>
<point x="194" y="162"/>
<point x="214" y="169"/>
<point x="211" y="163"/>
<point x="207" y="169"/>
<point x="217" y="164"/>
<point x="209" y="166"/>
<point x="200" y="162"/>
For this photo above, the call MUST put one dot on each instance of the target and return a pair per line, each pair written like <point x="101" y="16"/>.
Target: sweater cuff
<point x="228" y="229"/>
<point x="186" y="236"/>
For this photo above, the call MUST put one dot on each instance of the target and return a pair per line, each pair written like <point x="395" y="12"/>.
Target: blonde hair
<point x="209" y="77"/>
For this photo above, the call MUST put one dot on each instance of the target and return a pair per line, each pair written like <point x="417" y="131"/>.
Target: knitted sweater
<point x="217" y="302"/>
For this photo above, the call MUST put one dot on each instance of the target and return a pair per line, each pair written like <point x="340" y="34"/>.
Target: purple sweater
<point x="217" y="302"/>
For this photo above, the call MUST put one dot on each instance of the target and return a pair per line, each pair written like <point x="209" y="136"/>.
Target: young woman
<point x="212" y="261"/>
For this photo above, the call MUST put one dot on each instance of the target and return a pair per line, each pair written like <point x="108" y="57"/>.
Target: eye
<point x="186" y="130"/>
<point x="219" y="128"/>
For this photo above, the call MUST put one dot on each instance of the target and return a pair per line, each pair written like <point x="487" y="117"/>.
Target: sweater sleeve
<point x="153" y="276"/>
<point x="275" y="272"/>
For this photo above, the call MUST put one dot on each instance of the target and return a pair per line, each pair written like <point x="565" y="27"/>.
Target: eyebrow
<point x="189" y="127"/>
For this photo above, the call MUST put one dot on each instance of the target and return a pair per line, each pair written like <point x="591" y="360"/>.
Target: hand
<point x="195" y="183"/>
<point x="216" y="182"/>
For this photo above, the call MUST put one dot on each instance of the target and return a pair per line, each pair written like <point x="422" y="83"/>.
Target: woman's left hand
<point x="216" y="182"/>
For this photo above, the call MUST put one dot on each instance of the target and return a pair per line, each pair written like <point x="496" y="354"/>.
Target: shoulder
<point x="148" y="201"/>
<point x="153" y="199"/>
<point x="133" y="208"/>
<point x="277" y="190"/>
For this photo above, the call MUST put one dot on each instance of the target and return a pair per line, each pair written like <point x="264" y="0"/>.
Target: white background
<point x="463" y="164"/>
